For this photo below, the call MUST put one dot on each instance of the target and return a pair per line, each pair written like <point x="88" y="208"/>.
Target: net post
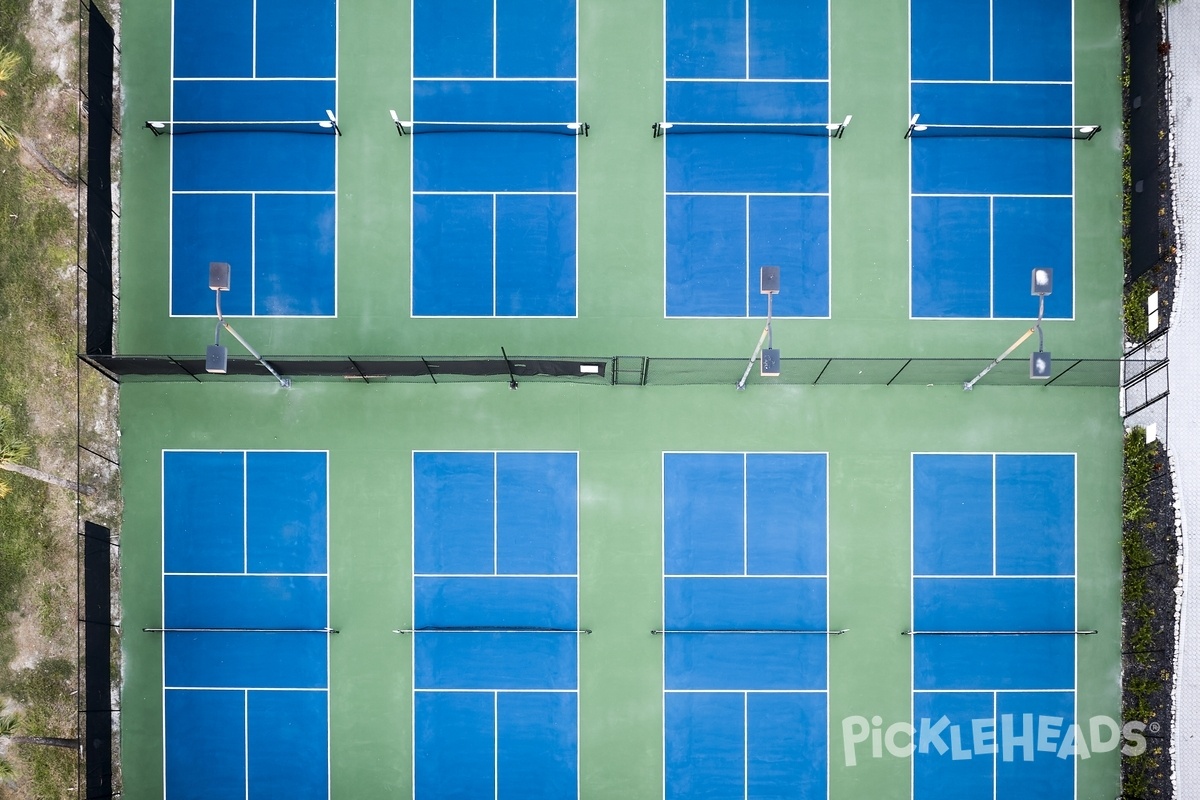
<point x="836" y="129"/>
<point x="330" y="122"/>
<point x="398" y="122"/>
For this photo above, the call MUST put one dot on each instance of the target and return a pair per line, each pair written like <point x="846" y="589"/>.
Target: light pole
<point x="216" y="357"/>
<point x="1042" y="283"/>
<point x="769" y="365"/>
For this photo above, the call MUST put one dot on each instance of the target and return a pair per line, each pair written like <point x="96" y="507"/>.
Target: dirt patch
<point x="72" y="412"/>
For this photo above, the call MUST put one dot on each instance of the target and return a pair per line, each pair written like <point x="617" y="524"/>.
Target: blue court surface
<point x="493" y="162"/>
<point x="245" y="613"/>
<point x="744" y="558"/>
<point x="994" y="562"/>
<point x="995" y="199"/>
<point x="495" y="619"/>
<point x="253" y="174"/>
<point x="746" y="156"/>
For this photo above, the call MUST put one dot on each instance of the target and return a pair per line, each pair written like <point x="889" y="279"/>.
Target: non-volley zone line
<point x="495" y="633"/>
<point x="254" y="39"/>
<point x="746" y="111"/>
<point x="254" y="184"/>
<point x="991" y="744"/>
<point x="494" y="111"/>
<point x="991" y="41"/>
<point x="972" y="135"/>
<point x="513" y="253"/>
<point x="745" y="649"/>
<point x="249" y="75"/>
<point x="228" y="517"/>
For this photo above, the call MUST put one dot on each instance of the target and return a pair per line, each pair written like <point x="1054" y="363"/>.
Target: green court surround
<point x="619" y="432"/>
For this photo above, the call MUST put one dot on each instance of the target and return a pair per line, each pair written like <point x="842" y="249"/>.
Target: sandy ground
<point x="68" y="405"/>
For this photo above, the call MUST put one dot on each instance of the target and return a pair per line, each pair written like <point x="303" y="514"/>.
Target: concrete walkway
<point x="1184" y="25"/>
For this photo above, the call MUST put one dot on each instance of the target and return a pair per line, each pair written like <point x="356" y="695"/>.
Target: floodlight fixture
<point x="216" y="357"/>
<point x="769" y="363"/>
<point x="1039" y="366"/>
<point x="1042" y="282"/>
<point x="768" y="280"/>
<point x="218" y="276"/>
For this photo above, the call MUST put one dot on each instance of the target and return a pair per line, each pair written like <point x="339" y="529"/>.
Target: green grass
<point x="44" y="693"/>
<point x="36" y="303"/>
<point x="1134" y="312"/>
<point x="1135" y="513"/>
<point x="24" y="543"/>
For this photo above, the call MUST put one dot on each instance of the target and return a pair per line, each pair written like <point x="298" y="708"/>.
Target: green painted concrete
<point x="620" y="432"/>
<point x="621" y="204"/>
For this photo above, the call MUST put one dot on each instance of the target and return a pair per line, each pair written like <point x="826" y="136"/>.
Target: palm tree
<point x="8" y="730"/>
<point x="9" y="61"/>
<point x="13" y="449"/>
<point x="9" y="138"/>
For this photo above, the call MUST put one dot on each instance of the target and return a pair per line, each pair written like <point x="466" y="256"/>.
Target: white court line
<point x="247" y="574"/>
<point x="747" y="45"/>
<point x="996" y="577"/>
<point x="746" y="691"/>
<point x="235" y="79"/>
<point x="989" y="83"/>
<point x="492" y="575"/>
<point x="429" y="690"/>
<point x="749" y="576"/>
<point x="991" y="80"/>
<point x="496" y="744"/>
<point x="993" y="195"/>
<point x="246" y="740"/>
<point x="995" y="716"/>
<point x="746" y="725"/>
<point x="490" y="194"/>
<point x="495" y="556"/>
<point x="495" y="574"/>
<point x="992" y="689"/>
<point x="456" y="79"/>
<point x="747" y="194"/>
<point x="993" y="511"/>
<point x="245" y="689"/>
<point x="248" y="192"/>
<point x="747" y="314"/>
<point x="747" y="80"/>
<point x="245" y="507"/>
<point x="829" y="177"/>
<point x="828" y="263"/>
